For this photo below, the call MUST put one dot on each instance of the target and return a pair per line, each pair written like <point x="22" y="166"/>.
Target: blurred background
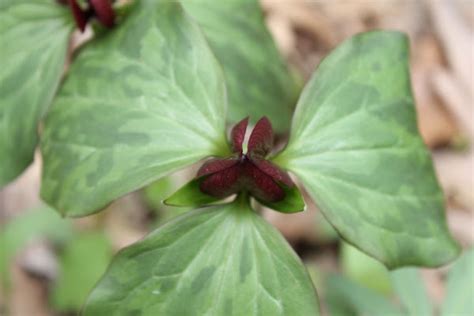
<point x="49" y="264"/>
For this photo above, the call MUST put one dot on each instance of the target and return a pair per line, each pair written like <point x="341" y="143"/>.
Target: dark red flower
<point x="250" y="171"/>
<point x="101" y="9"/>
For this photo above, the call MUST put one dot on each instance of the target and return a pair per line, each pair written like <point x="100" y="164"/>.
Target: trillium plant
<point x="156" y="92"/>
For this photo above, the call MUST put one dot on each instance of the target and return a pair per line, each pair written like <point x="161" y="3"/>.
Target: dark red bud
<point x="261" y="139"/>
<point x="104" y="12"/>
<point x="223" y="183"/>
<point x="246" y="172"/>
<point x="237" y="135"/>
<point x="216" y="165"/>
<point x="273" y="171"/>
<point x="79" y="14"/>
<point x="101" y="9"/>
<point x="261" y="185"/>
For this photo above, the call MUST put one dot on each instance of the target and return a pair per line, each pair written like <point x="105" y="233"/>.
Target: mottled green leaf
<point x="258" y="80"/>
<point x="460" y="287"/>
<point x="82" y="263"/>
<point x="33" y="43"/>
<point x="141" y="101"/>
<point x="190" y="195"/>
<point x="221" y="260"/>
<point x="411" y="291"/>
<point x="354" y="144"/>
<point x="364" y="269"/>
<point x="345" y="297"/>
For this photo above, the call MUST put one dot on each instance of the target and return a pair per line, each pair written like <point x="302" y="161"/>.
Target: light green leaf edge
<point x="364" y="269"/>
<point x="411" y="291"/>
<point x="344" y="295"/>
<point x="140" y="102"/>
<point x="354" y="144"/>
<point x="34" y="37"/>
<point x="460" y="287"/>
<point x="258" y="80"/>
<point x="221" y="260"/>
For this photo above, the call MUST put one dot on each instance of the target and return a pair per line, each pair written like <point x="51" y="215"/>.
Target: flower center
<point x="246" y="172"/>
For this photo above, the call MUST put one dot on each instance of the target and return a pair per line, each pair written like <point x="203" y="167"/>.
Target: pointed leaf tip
<point x="261" y="139"/>
<point x="238" y="135"/>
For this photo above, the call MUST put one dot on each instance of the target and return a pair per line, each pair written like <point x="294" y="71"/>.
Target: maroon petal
<point x="261" y="139"/>
<point x="261" y="185"/>
<point x="216" y="165"/>
<point x="237" y="135"/>
<point x="273" y="171"/>
<point x="223" y="183"/>
<point x="79" y="15"/>
<point x="104" y="12"/>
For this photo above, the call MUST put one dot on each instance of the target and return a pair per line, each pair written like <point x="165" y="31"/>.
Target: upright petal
<point x="238" y="135"/>
<point x="104" y="12"/>
<point x="261" y="139"/>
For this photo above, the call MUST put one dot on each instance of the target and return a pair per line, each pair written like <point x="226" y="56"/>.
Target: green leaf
<point x="140" y="102"/>
<point x="34" y="37"/>
<point x="411" y="291"/>
<point x="365" y="270"/>
<point x="82" y="263"/>
<point x="292" y="203"/>
<point x="190" y="195"/>
<point x="221" y="260"/>
<point x="26" y="227"/>
<point x="460" y="287"/>
<point x="346" y="297"/>
<point x="258" y="80"/>
<point x="355" y="146"/>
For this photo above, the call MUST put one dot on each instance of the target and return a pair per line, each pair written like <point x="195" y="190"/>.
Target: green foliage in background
<point x="364" y="270"/>
<point x="82" y="263"/>
<point x="346" y="297"/>
<point x="33" y="224"/>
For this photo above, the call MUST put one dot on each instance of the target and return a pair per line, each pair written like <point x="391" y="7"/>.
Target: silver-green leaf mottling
<point x="221" y="260"/>
<point x="354" y="144"/>
<point x="141" y="101"/>
<point x="258" y="81"/>
<point x="34" y="36"/>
